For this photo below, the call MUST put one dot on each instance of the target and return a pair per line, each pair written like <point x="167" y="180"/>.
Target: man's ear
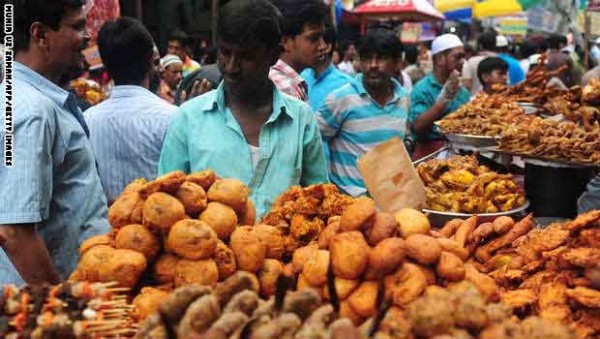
<point x="37" y="33"/>
<point x="287" y="44"/>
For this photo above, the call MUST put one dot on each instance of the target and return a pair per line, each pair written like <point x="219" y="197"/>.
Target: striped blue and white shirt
<point x="352" y="123"/>
<point x="126" y="133"/>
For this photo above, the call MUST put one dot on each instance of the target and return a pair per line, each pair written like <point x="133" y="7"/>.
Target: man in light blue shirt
<point x="52" y="198"/>
<point x="366" y="112"/>
<point x="246" y="128"/>
<point x="324" y="78"/>
<point x="128" y="129"/>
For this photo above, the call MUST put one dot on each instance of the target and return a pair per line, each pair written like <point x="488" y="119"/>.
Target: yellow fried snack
<point x="272" y="239"/>
<point x="343" y="288"/>
<point x="268" y="276"/>
<point x="221" y="218"/>
<point x="225" y="259"/>
<point x="349" y="254"/>
<point x="250" y="251"/>
<point x="248" y="215"/>
<point x="358" y="215"/>
<point x="423" y="249"/>
<point x="203" y="178"/>
<point x="316" y="267"/>
<point x="87" y="268"/>
<point x="384" y="226"/>
<point x="102" y="239"/>
<point x="328" y="233"/>
<point x="230" y="192"/>
<point x="450" y="267"/>
<point x="411" y="221"/>
<point x="301" y="256"/>
<point x="193" y="197"/>
<point x="164" y="268"/>
<point x="138" y="238"/>
<point x="363" y="300"/>
<point x="192" y="239"/>
<point x="120" y="212"/>
<point x="161" y="211"/>
<point x="406" y="284"/>
<point x="385" y="258"/>
<point x="168" y="183"/>
<point x="202" y="272"/>
<point x="147" y="302"/>
<point x="124" y="266"/>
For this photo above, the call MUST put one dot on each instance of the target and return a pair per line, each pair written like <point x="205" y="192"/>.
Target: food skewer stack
<point x="65" y="311"/>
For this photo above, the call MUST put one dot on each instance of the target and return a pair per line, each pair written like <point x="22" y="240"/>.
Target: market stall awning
<point x="491" y="8"/>
<point x="458" y="10"/>
<point x="404" y="10"/>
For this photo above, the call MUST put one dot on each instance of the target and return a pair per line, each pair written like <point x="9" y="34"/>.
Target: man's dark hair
<point x="48" y="12"/>
<point x="179" y="35"/>
<point x="555" y="40"/>
<point x="411" y="54"/>
<point x="490" y="64"/>
<point x="297" y="13"/>
<point x="381" y="43"/>
<point x="126" y="49"/>
<point x="487" y="41"/>
<point x="528" y="48"/>
<point x="250" y="23"/>
<point x="330" y="38"/>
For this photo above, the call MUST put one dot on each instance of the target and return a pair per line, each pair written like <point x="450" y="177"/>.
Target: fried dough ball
<point x="203" y="178"/>
<point x="221" y="218"/>
<point x="120" y="212"/>
<point x="302" y="283"/>
<point x="411" y="221"/>
<point x="123" y="266"/>
<point x="147" y="302"/>
<point x="358" y="215"/>
<point x="363" y="300"/>
<point x="327" y="234"/>
<point x="453" y="247"/>
<point x="137" y="215"/>
<point x="193" y="197"/>
<point x="406" y="284"/>
<point x="450" y="267"/>
<point x="268" y="277"/>
<point x="343" y="288"/>
<point x="164" y="268"/>
<point x="97" y="240"/>
<point x="385" y="258"/>
<point x="272" y="239"/>
<point x="161" y="211"/>
<point x="230" y="192"/>
<point x="316" y="267"/>
<point x="349" y="254"/>
<point x="423" y="249"/>
<point x="90" y="261"/>
<point x="192" y="239"/>
<point x="429" y="274"/>
<point x="202" y="272"/>
<point x="250" y="251"/>
<point x="225" y="259"/>
<point x="384" y="226"/>
<point x="346" y="311"/>
<point x="248" y="215"/>
<point x="168" y="183"/>
<point x="138" y="238"/>
<point x="301" y="256"/>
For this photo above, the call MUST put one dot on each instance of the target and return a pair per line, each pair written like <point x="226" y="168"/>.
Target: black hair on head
<point x="298" y="13"/>
<point x="250" y="23"/>
<point x="490" y="64"/>
<point x="380" y="42"/>
<point x="487" y="41"/>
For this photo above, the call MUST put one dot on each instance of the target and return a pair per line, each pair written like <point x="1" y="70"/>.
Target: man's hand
<point x="28" y="253"/>
<point x="451" y="87"/>
<point x="198" y="88"/>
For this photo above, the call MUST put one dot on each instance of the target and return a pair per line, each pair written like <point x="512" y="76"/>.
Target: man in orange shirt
<point x="172" y="68"/>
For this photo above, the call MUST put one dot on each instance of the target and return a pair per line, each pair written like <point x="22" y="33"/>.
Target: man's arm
<point x="28" y="254"/>
<point x="174" y="154"/>
<point x="423" y="122"/>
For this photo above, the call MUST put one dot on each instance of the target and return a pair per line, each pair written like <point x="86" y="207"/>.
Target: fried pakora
<point x="221" y="218"/>
<point x="161" y="211"/>
<point x="202" y="272"/>
<point x="138" y="238"/>
<point x="193" y="197"/>
<point x="349" y="255"/>
<point x="231" y="192"/>
<point x="192" y="239"/>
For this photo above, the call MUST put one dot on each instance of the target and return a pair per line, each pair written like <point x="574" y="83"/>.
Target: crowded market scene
<point x="300" y="169"/>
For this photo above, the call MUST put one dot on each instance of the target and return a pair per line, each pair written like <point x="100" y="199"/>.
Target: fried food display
<point x="250" y="252"/>
<point x="349" y="254"/>
<point x="147" y="302"/>
<point x="192" y="239"/>
<point x="202" y="272"/>
<point x="460" y="184"/>
<point x="123" y="211"/>
<point x="411" y="221"/>
<point x="231" y="192"/>
<point x="423" y="249"/>
<point x="193" y="197"/>
<point x="161" y="211"/>
<point x="138" y="238"/>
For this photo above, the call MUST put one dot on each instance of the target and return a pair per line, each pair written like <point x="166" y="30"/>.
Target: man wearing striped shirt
<point x="369" y="110"/>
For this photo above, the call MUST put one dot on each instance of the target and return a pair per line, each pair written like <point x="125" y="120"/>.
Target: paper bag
<point x="390" y="177"/>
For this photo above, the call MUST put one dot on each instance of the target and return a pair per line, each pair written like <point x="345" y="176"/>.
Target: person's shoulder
<point x="422" y="84"/>
<point x="200" y="103"/>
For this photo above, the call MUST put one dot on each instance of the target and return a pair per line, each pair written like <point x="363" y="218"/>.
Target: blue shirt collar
<point x="50" y="89"/>
<point x="218" y="103"/>
<point x="397" y="88"/>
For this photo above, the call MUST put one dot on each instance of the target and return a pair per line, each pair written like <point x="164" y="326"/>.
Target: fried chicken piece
<point x="590" y="237"/>
<point x="519" y="298"/>
<point x="585" y="296"/>
<point x="584" y="220"/>
<point x="582" y="257"/>
<point x="552" y="303"/>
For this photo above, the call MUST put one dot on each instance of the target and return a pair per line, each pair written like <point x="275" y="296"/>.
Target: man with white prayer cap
<point x="171" y="74"/>
<point x="438" y="93"/>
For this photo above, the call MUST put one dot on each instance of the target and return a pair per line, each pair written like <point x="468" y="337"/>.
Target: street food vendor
<point x="438" y="93"/>
<point x="246" y="128"/>
<point x="52" y="198"/>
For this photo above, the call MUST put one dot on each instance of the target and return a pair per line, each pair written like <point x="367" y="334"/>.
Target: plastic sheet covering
<point x="494" y="8"/>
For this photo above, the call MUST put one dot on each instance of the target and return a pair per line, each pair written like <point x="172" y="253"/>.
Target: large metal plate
<point x="471" y="140"/>
<point x="541" y="161"/>
<point x="439" y="218"/>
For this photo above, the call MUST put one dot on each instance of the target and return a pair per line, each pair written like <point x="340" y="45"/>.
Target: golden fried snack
<point x="519" y="298"/>
<point x="138" y="238"/>
<point x="358" y="215"/>
<point x="349" y="254"/>
<point x="248" y="215"/>
<point x="405" y="284"/>
<point x="225" y="260"/>
<point x="168" y="183"/>
<point x="161" y="211"/>
<point x="203" y="178"/>
<point x="430" y="316"/>
<point x="97" y="240"/>
<point x="503" y="224"/>
<point x="411" y="221"/>
<point x="450" y="267"/>
<point x="193" y="197"/>
<point x="302" y="283"/>
<point x="585" y="296"/>
<point x="147" y="302"/>
<point x="271" y="238"/>
<point x="221" y="218"/>
<point x="305" y="229"/>
<point x="316" y="267"/>
<point x="429" y="274"/>
<point x="384" y="226"/>
<point x="250" y="251"/>
<point x="522" y="227"/>
<point x="363" y="300"/>
<point x="465" y="229"/>
<point x="346" y="311"/>
<point x="87" y="268"/>
<point x="423" y="249"/>
<point x="164" y="268"/>
<point x="202" y="272"/>
<point x="124" y="266"/>
<point x="453" y="247"/>
<point x="328" y="233"/>
<point x="343" y="288"/>
<point x="231" y="192"/>
<point x="120" y="212"/>
<point x="301" y="256"/>
<point x="192" y="239"/>
<point x="385" y="258"/>
<point x="268" y="276"/>
<point x="450" y="227"/>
